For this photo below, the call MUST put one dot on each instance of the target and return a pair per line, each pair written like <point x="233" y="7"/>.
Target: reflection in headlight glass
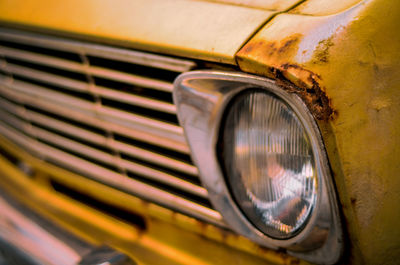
<point x="269" y="163"/>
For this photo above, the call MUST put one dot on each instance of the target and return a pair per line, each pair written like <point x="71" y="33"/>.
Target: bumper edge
<point x="27" y="238"/>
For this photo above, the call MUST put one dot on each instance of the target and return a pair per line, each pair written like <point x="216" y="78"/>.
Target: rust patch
<point x="295" y="79"/>
<point x="274" y="49"/>
<point x="273" y="59"/>
<point x="203" y="228"/>
<point x="281" y="253"/>
<point x="321" y="54"/>
<point x="285" y="46"/>
<point x="252" y="46"/>
<point x="353" y="201"/>
<point x="288" y="43"/>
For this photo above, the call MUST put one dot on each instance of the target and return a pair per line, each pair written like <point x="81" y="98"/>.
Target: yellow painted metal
<point x="324" y="7"/>
<point x="169" y="237"/>
<point x="352" y="58"/>
<point x="276" y="5"/>
<point x="195" y="29"/>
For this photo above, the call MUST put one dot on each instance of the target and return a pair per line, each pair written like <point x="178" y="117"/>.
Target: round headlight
<point x="269" y="163"/>
<point x="262" y="159"/>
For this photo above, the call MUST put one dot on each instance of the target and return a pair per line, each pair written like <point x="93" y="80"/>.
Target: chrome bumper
<point x="27" y="238"/>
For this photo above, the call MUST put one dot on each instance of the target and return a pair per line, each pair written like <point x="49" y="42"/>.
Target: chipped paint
<point x="321" y="53"/>
<point x="379" y="104"/>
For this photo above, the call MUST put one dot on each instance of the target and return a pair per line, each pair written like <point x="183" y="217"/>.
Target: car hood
<point x="196" y="29"/>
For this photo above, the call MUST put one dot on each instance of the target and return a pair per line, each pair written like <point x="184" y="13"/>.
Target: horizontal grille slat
<point x="65" y="128"/>
<point x="50" y="107"/>
<point x="14" y="122"/>
<point x="104" y="157"/>
<point x="130" y="79"/>
<point x="95" y="138"/>
<point x="86" y="69"/>
<point x="38" y="133"/>
<point x="85" y="87"/>
<point x="45" y="77"/>
<point x="46" y="94"/>
<point x="110" y="177"/>
<point x="112" y="144"/>
<point x="102" y="112"/>
<point x="112" y="160"/>
<point x="42" y="59"/>
<point x="91" y="109"/>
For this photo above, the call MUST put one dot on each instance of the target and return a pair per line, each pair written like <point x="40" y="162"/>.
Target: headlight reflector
<point x="269" y="163"/>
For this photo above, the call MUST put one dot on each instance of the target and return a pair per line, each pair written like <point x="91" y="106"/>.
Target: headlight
<point x="261" y="157"/>
<point x="269" y="163"/>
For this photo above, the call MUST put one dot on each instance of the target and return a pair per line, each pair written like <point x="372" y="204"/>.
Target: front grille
<point x="102" y="112"/>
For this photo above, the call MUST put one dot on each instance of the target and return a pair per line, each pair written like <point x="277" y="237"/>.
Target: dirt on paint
<point x="321" y="53"/>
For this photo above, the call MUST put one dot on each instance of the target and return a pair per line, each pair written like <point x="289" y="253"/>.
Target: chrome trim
<point x="74" y="85"/>
<point x="38" y="241"/>
<point x="59" y="100"/>
<point x="201" y="98"/>
<point x="85" y="69"/>
<point x="104" y="255"/>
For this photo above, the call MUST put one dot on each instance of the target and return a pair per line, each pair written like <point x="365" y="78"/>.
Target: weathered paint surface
<point x="196" y="29"/>
<point x="348" y="64"/>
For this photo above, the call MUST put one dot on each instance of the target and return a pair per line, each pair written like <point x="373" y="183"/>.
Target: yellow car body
<point x="342" y="55"/>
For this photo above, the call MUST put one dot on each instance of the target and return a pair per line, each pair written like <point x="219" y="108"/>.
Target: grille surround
<point x="44" y="113"/>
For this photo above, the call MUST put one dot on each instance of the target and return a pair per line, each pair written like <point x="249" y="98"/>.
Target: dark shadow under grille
<point x="37" y="49"/>
<point x="134" y="89"/>
<point x="109" y="209"/>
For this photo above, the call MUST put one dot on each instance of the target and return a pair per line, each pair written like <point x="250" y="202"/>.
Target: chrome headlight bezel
<point x="201" y="98"/>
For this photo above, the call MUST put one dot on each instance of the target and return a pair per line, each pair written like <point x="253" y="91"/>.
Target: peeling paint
<point x="380" y="103"/>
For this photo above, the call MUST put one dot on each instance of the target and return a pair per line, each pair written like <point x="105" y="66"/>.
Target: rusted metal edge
<point x="311" y="93"/>
<point x="267" y="58"/>
<point x="306" y="84"/>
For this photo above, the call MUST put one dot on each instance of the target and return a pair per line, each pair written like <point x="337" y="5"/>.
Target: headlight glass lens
<point x="269" y="163"/>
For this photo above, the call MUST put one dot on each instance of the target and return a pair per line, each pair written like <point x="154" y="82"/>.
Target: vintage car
<point x="199" y="132"/>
